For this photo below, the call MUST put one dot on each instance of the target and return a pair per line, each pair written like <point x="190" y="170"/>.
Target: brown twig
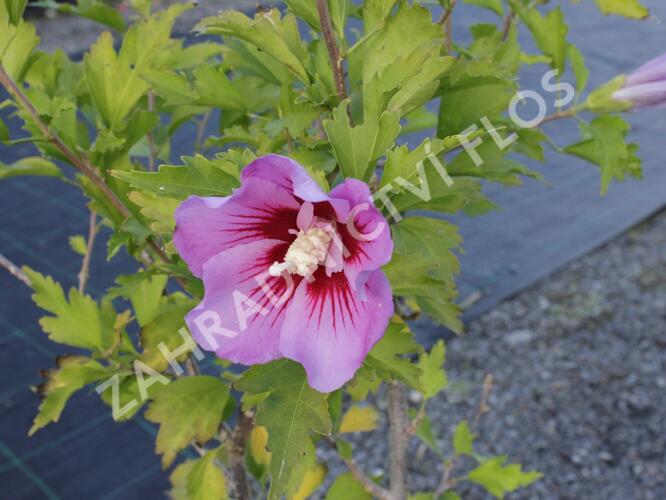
<point x="359" y="474"/>
<point x="14" y="270"/>
<point x="201" y="130"/>
<point x="416" y="421"/>
<point x="331" y="46"/>
<point x="79" y="162"/>
<point x="445" y="22"/>
<point x="84" y="273"/>
<point x="447" y="481"/>
<point x="243" y="490"/>
<point x="152" y="151"/>
<point x="569" y="113"/>
<point x="398" y="439"/>
<point x="508" y="22"/>
<point x="368" y="484"/>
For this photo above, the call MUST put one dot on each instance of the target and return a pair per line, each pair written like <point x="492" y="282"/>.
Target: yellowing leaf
<point x="258" y="442"/>
<point x="17" y="41"/>
<point x="359" y="419"/>
<point x="206" y="480"/>
<point x="73" y="373"/>
<point x="291" y="412"/>
<point x="312" y="479"/>
<point x="632" y="9"/>
<point x="189" y="409"/>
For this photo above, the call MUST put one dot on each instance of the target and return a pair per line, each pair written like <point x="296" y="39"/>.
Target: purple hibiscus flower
<point x="289" y="271"/>
<point x="646" y="86"/>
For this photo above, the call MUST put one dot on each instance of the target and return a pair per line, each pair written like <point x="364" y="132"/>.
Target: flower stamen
<point x="307" y="252"/>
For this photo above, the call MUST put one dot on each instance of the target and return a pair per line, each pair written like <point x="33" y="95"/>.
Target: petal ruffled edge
<point x="292" y="176"/>
<point x="366" y="236"/>
<point x="330" y="329"/>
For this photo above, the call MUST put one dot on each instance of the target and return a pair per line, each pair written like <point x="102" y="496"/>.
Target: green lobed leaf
<point x="633" y="9"/>
<point x="290" y="413"/>
<point x="164" y="329"/>
<point x="356" y="148"/>
<point x="31" y="166"/>
<point x="269" y="32"/>
<point x="499" y="479"/>
<point x="468" y="99"/>
<point x="95" y="10"/>
<point x="346" y="487"/>
<point x="433" y="376"/>
<point x="549" y="32"/>
<point x="494" y="5"/>
<point x="390" y="356"/>
<point x="200" y="176"/>
<point x="17" y="41"/>
<point x="205" y="480"/>
<point x="604" y="144"/>
<point x="77" y="320"/>
<point x="115" y="80"/>
<point x="15" y="10"/>
<point x="463" y="439"/>
<point x="72" y="374"/>
<point x="188" y="409"/>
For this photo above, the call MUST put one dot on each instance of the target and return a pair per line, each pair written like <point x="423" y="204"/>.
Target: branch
<point x="368" y="484"/>
<point x="238" y="468"/>
<point x="14" y="270"/>
<point x="569" y="113"/>
<point x="398" y="438"/>
<point x="80" y="163"/>
<point x="508" y="21"/>
<point x="445" y="22"/>
<point x="447" y="482"/>
<point x="84" y="273"/>
<point x="152" y="152"/>
<point x="333" y="52"/>
<point x="201" y="130"/>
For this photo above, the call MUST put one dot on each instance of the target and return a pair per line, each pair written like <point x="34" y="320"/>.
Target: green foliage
<point x="291" y="412"/>
<point x="199" y="176"/>
<point x="72" y="374"/>
<point x="388" y="357"/>
<point x="345" y="487"/>
<point x="499" y="479"/>
<point x="189" y="409"/>
<point x="265" y="86"/>
<point x="15" y="10"/>
<point x="632" y="9"/>
<point x="463" y="439"/>
<point x="199" y="480"/>
<point x="77" y="320"/>
<point x="95" y="10"/>
<point x="604" y="144"/>
<point x="32" y="165"/>
<point x="433" y="376"/>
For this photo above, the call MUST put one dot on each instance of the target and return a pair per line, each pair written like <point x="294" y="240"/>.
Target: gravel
<point x="579" y="367"/>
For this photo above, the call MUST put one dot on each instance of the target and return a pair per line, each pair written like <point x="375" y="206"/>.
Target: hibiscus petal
<point x="330" y="330"/>
<point x="366" y="236"/>
<point x="243" y="309"/>
<point x="648" y="94"/>
<point x="258" y="210"/>
<point x="652" y="71"/>
<point x="291" y="176"/>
